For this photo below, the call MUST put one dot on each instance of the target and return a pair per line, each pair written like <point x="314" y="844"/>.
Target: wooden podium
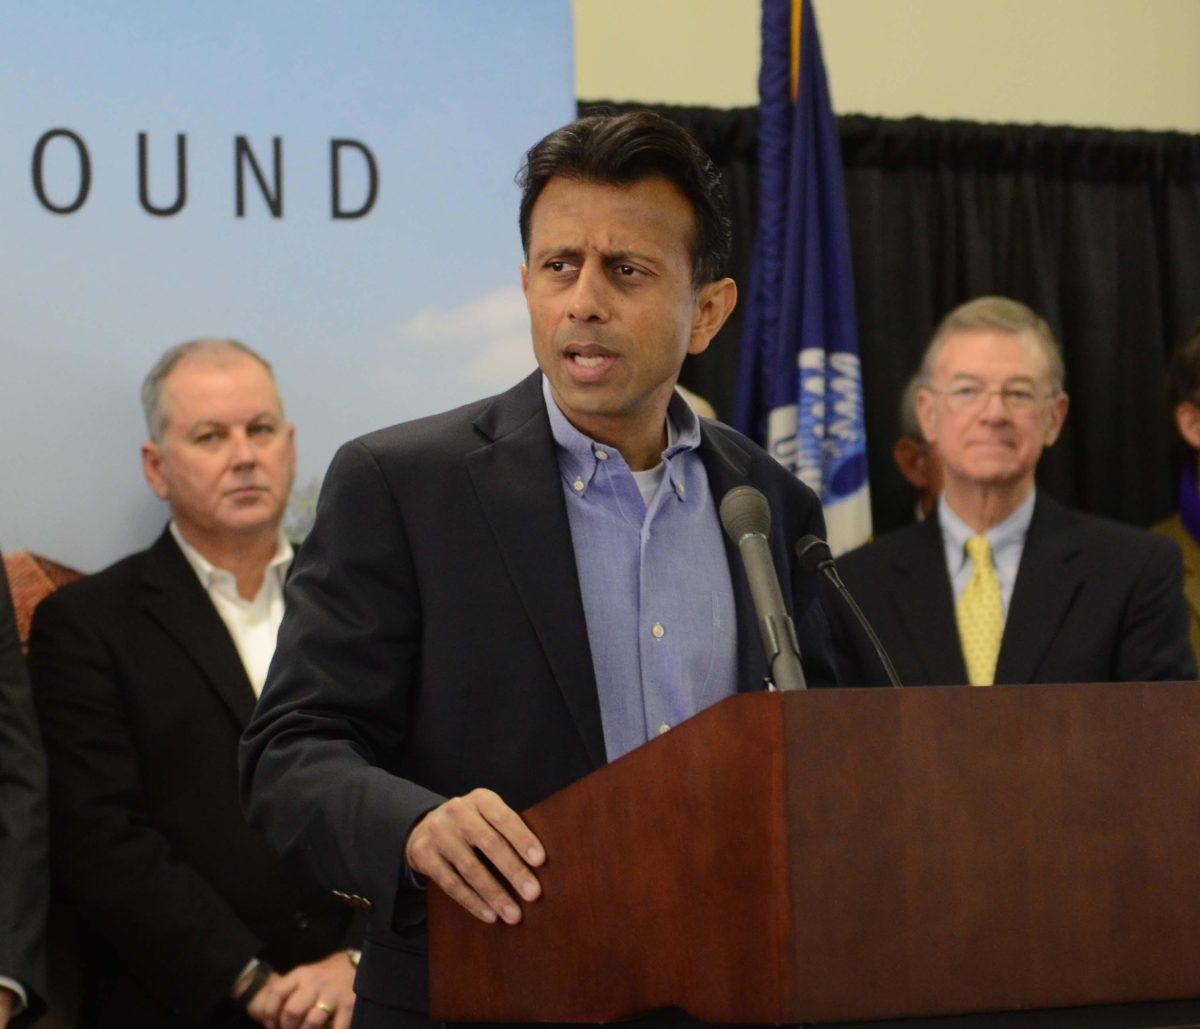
<point x="860" y="854"/>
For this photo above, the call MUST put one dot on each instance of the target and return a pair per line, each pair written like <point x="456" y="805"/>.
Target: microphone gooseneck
<point x="746" y="518"/>
<point x="815" y="555"/>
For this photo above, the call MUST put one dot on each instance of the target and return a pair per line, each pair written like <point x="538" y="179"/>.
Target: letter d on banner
<point x="335" y="178"/>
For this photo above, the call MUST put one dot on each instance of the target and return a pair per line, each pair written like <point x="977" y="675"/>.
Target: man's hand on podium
<point x="442" y="847"/>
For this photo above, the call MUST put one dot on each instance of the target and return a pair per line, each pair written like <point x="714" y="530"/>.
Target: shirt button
<point x="663" y="728"/>
<point x="681" y="491"/>
<point x="601" y="455"/>
<point x="658" y="631"/>
<point x="577" y="485"/>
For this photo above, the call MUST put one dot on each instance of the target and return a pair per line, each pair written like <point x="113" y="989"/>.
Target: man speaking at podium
<point x="496" y="600"/>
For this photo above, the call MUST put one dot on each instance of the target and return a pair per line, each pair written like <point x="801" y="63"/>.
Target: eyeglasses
<point x="971" y="397"/>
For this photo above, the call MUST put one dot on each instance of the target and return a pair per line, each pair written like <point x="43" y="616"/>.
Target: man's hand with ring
<point x="316" y="995"/>
<point x="442" y="847"/>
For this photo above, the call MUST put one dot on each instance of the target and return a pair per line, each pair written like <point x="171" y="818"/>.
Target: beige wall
<point x="1117" y="63"/>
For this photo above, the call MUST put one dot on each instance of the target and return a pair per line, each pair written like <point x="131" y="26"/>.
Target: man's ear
<point x="1187" y="421"/>
<point x="714" y="303"/>
<point x="1056" y="417"/>
<point x="525" y="279"/>
<point x="152" y="460"/>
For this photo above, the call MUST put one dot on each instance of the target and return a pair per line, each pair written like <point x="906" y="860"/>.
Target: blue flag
<point x="799" y="380"/>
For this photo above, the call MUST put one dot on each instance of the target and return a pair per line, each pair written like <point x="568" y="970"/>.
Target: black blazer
<point x="1094" y="601"/>
<point x="435" y="642"/>
<point x="142" y="698"/>
<point x="23" y="875"/>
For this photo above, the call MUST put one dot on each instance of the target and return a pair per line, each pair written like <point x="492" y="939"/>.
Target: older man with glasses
<point x="1003" y="584"/>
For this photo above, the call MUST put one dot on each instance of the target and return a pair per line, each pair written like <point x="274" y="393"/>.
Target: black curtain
<point x="1097" y="230"/>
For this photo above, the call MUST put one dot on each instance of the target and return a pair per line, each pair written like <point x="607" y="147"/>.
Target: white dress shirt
<point x="253" y="624"/>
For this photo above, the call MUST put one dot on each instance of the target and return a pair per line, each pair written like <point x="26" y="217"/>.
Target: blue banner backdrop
<point x="331" y="183"/>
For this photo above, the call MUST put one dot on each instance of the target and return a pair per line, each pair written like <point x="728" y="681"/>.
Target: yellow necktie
<point x="980" y="618"/>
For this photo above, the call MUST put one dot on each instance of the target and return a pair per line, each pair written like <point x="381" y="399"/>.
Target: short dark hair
<point x="1183" y="372"/>
<point x="622" y="149"/>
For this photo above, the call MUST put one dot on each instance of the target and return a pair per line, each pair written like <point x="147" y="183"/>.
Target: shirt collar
<point x="1008" y="533"/>
<point x="210" y="575"/>
<point x="580" y="456"/>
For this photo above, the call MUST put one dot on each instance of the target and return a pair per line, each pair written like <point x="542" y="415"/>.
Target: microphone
<point x="746" y="517"/>
<point x="815" y="555"/>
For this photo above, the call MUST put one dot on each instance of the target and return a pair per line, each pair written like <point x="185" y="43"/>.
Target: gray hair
<point x="152" y="385"/>
<point x="999" y="314"/>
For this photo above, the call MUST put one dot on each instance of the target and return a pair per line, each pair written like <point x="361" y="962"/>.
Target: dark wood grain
<point x="861" y="854"/>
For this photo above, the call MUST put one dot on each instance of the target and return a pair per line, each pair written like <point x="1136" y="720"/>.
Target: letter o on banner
<point x="85" y="172"/>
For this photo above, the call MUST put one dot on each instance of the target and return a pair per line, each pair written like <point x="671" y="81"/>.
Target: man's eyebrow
<point x="611" y="256"/>
<point x="1008" y="382"/>
<point x="545" y="253"/>
<point x="213" y="423"/>
<point x="631" y="255"/>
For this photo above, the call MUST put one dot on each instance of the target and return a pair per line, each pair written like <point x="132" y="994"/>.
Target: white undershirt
<point x="252" y="624"/>
<point x="648" y="480"/>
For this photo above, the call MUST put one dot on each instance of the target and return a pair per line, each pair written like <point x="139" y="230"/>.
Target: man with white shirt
<point x="1001" y="584"/>
<point x="144" y="676"/>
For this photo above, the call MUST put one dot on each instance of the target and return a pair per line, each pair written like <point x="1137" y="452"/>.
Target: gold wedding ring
<point x="322" y="1006"/>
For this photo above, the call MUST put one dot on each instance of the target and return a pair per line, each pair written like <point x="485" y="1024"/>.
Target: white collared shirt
<point x="253" y="624"/>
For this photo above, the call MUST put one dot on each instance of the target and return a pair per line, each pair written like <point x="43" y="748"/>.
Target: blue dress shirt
<point x="1007" y="540"/>
<point x="654" y="579"/>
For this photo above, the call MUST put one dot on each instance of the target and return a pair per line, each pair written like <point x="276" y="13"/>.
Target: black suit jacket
<point x="1094" y="601"/>
<point x="23" y="875"/>
<point x="142" y="698"/>
<point x="435" y="642"/>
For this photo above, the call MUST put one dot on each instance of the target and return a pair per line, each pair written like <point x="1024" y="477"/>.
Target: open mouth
<point x="588" y="362"/>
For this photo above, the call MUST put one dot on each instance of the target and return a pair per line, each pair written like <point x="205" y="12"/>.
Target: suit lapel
<point x="920" y="592"/>
<point x="516" y="478"/>
<point x="728" y="467"/>
<point x="174" y="598"/>
<point x="1048" y="580"/>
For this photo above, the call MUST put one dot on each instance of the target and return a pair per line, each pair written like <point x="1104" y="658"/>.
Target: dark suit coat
<point x="142" y="698"/>
<point x="23" y="875"/>
<point x="1094" y="601"/>
<point x="435" y="642"/>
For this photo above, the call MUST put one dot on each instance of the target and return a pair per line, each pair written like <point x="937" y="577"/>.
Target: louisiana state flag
<point x="799" y="380"/>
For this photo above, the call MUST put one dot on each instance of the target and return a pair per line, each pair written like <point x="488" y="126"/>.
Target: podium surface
<point x="843" y="855"/>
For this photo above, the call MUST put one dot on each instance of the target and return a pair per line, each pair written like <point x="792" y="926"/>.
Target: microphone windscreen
<point x="745" y="510"/>
<point x="813" y="552"/>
